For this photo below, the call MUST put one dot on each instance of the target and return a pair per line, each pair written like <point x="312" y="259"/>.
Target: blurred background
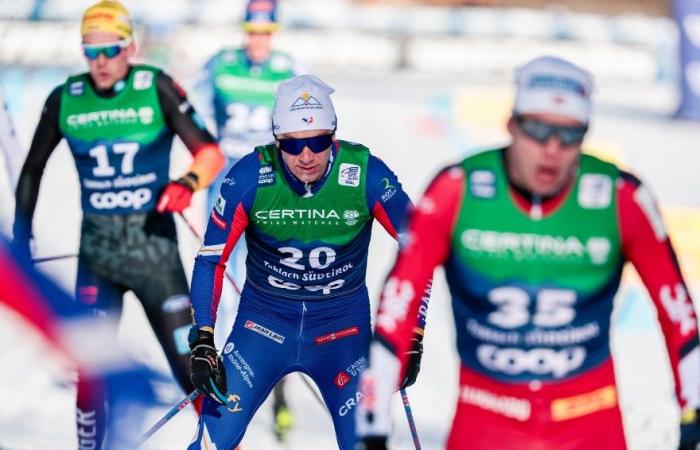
<point x="422" y="83"/>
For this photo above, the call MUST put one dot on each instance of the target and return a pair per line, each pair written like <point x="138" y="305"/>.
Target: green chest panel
<point x="578" y="245"/>
<point x="133" y="114"/>
<point x="235" y="81"/>
<point x="335" y="214"/>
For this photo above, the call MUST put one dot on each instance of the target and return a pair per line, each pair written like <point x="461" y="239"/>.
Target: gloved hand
<point x="206" y="367"/>
<point x="371" y="443"/>
<point x="177" y="195"/>
<point x="690" y="430"/>
<point x="415" y="354"/>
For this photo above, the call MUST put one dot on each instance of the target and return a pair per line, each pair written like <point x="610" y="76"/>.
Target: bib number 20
<point x="319" y="258"/>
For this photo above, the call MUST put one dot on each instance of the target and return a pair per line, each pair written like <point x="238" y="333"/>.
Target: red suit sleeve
<point x="647" y="246"/>
<point x="426" y="245"/>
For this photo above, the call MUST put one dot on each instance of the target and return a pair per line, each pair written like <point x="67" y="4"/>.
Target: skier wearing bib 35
<point x="119" y="120"/>
<point x="306" y="203"/>
<point x="533" y="238"/>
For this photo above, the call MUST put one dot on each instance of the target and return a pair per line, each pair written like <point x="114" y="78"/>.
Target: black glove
<point x="690" y="430"/>
<point x="206" y="367"/>
<point x="414" y="357"/>
<point x="371" y="443"/>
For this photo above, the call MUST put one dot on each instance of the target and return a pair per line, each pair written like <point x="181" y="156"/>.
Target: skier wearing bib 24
<point x="533" y="238"/>
<point x="306" y="203"/>
<point x="119" y="121"/>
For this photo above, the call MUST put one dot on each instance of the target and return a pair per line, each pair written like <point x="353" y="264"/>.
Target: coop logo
<point x="108" y="117"/>
<point x="122" y="199"/>
<point x="539" y="361"/>
<point x="266" y="175"/>
<point x="524" y="246"/>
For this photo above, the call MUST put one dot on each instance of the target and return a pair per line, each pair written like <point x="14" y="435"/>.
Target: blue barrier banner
<point x="687" y="15"/>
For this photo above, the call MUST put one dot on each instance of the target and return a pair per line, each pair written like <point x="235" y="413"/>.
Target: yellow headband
<point x="107" y="16"/>
<point x="259" y="27"/>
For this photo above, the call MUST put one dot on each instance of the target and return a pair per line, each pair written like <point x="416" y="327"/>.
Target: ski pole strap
<point x="409" y="417"/>
<point x="169" y="415"/>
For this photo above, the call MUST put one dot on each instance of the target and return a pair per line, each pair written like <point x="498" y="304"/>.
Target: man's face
<point x="538" y="160"/>
<point x="106" y="71"/>
<point x="307" y="166"/>
<point x="258" y="46"/>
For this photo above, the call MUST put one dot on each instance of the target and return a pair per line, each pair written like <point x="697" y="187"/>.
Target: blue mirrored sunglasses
<point x="541" y="131"/>
<point x="93" y="51"/>
<point x="316" y="144"/>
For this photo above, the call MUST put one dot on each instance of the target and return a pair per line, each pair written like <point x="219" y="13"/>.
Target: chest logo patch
<point x="77" y="88"/>
<point x="482" y="184"/>
<point x="143" y="79"/>
<point x="595" y="191"/>
<point x="349" y="175"/>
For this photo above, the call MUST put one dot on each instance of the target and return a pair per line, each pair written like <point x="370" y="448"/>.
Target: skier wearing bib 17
<point x="119" y="120"/>
<point x="306" y="203"/>
<point x="533" y="238"/>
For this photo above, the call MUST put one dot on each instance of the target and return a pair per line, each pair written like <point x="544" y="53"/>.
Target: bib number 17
<point x="101" y="155"/>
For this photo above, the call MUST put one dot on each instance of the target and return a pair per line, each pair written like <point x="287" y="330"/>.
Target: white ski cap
<point x="303" y="103"/>
<point x="552" y="85"/>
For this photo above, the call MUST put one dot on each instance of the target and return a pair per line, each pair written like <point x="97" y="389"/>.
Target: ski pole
<point x="409" y="417"/>
<point x="52" y="258"/>
<point x="169" y="415"/>
<point x="201" y="240"/>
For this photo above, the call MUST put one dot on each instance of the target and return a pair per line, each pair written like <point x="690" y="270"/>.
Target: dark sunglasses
<point x="316" y="144"/>
<point x="541" y="131"/>
<point x="93" y="51"/>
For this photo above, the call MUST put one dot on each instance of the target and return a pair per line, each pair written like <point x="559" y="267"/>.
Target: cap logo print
<point x="305" y="99"/>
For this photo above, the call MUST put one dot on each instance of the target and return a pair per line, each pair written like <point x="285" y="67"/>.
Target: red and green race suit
<point x="532" y="286"/>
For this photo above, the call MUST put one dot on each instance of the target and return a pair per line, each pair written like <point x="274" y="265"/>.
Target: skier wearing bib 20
<point x="237" y="89"/>
<point x="119" y="121"/>
<point x="533" y="238"/>
<point x="306" y="203"/>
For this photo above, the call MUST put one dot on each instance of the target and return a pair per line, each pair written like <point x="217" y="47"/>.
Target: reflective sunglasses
<point x="109" y="50"/>
<point x="317" y="144"/>
<point x="541" y="131"/>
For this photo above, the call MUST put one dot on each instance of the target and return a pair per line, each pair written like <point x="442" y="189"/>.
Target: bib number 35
<point x="553" y="307"/>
